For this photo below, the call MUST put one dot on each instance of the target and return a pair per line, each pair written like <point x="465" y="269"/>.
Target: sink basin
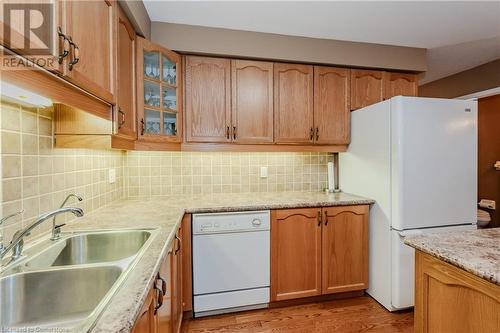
<point x="91" y="248"/>
<point x="56" y="298"/>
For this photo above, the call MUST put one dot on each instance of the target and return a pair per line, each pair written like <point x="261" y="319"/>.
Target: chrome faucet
<point x="2" y="221"/>
<point x="17" y="243"/>
<point x="56" y="229"/>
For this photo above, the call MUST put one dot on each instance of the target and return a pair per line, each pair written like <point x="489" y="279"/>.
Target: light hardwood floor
<point x="360" y="314"/>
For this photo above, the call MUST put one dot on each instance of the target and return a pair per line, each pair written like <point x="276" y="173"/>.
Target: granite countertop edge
<point x="472" y="260"/>
<point x="123" y="309"/>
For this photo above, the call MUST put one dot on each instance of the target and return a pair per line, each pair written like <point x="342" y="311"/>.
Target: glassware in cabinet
<point x="161" y="95"/>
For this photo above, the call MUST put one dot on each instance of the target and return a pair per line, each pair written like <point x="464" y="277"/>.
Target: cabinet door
<point x="187" y="265"/>
<point x="125" y="108"/>
<point x="295" y="253"/>
<point x="208" y="99"/>
<point x="400" y="84"/>
<point x="92" y="66"/>
<point x="293" y="103"/>
<point x="252" y="102"/>
<point x="146" y="322"/>
<point x="13" y="37"/>
<point x="331" y="105"/>
<point x="345" y="249"/>
<point x="164" y="312"/>
<point x="450" y="299"/>
<point x="159" y="97"/>
<point x="177" y="283"/>
<point x="366" y="87"/>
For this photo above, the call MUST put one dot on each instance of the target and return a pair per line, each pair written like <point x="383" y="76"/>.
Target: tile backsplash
<point x="167" y="173"/>
<point x="37" y="177"/>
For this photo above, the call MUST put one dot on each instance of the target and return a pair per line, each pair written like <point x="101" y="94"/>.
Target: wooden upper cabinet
<point x="208" y="99"/>
<point x="345" y="249"/>
<point x="159" y="92"/>
<point x="125" y="115"/>
<point x="367" y="87"/>
<point x="293" y="103"/>
<point x="295" y="253"/>
<point x="14" y="39"/>
<point x="252" y="101"/>
<point x="400" y="84"/>
<point x="92" y="60"/>
<point x="331" y="105"/>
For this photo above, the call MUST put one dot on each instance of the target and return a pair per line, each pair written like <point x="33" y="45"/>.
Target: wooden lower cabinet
<point x="146" y="323"/>
<point x="177" y="308"/>
<point x="162" y="310"/>
<point x="449" y="299"/>
<point x="344" y="249"/>
<point x="318" y="251"/>
<point x="187" y="266"/>
<point x="295" y="253"/>
<point x="164" y="313"/>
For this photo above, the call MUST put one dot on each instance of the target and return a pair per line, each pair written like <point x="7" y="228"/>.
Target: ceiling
<point x="459" y="35"/>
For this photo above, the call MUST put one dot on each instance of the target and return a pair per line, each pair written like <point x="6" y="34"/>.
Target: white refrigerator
<point x="417" y="158"/>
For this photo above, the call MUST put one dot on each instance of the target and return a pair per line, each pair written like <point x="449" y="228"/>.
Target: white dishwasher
<point x="231" y="261"/>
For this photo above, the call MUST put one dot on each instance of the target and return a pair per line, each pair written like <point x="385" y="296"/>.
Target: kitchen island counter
<point x="457" y="281"/>
<point x="476" y="251"/>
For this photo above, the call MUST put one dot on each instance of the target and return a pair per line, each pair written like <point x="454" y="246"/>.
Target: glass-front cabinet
<point x="159" y="93"/>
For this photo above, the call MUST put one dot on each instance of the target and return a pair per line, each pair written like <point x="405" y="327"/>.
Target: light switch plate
<point x="263" y="172"/>
<point x="112" y="176"/>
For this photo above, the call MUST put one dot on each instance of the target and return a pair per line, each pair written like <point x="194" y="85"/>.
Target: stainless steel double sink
<point x="64" y="285"/>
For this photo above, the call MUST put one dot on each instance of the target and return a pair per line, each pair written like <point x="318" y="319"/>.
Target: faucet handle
<point x="11" y="216"/>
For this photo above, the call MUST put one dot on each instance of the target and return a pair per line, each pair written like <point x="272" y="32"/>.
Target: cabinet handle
<point x="143" y="126"/>
<point x="317" y="133"/>
<point x="66" y="46"/>
<point x="122" y="121"/>
<point x="159" y="298"/>
<point x="163" y="284"/>
<point x="234" y="132"/>
<point x="311" y="133"/>
<point x="319" y="218"/>
<point x="227" y="132"/>
<point x="326" y="217"/>
<point x="178" y="244"/>
<point x="76" y="53"/>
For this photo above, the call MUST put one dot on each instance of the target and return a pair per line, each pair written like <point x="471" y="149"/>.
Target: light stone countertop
<point x="166" y="214"/>
<point x="476" y="251"/>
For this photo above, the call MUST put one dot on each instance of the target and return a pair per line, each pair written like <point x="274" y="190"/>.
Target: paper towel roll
<point x="331" y="183"/>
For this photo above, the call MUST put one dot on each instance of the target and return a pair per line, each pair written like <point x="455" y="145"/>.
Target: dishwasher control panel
<point x="231" y="222"/>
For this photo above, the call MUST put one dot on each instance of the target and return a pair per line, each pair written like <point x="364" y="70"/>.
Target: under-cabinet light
<point x="23" y="96"/>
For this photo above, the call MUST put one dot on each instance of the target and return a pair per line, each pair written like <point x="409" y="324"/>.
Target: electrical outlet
<point x="263" y="172"/>
<point x="112" y="176"/>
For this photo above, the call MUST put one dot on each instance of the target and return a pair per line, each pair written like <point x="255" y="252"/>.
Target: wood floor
<point x="360" y="314"/>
